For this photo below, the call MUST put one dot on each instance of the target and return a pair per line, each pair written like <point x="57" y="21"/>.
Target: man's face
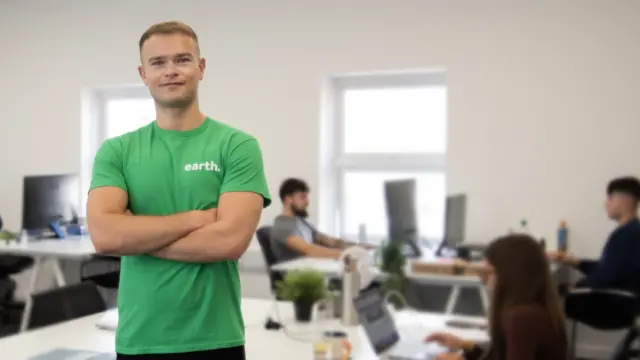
<point x="299" y="202"/>
<point x="617" y="204"/>
<point x="172" y="69"/>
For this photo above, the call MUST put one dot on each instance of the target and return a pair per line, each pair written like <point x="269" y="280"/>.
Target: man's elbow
<point x="105" y="244"/>
<point x="105" y="240"/>
<point x="237" y="246"/>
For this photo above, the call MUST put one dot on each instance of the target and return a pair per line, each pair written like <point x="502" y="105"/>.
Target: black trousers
<point x="233" y="353"/>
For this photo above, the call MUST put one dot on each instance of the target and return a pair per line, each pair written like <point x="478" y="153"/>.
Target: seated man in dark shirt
<point x="618" y="267"/>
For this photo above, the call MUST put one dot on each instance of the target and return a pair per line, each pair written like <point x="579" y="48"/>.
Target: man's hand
<point x="562" y="258"/>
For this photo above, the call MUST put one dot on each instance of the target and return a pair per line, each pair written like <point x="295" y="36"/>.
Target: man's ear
<point x="202" y="65"/>
<point x="142" y="74"/>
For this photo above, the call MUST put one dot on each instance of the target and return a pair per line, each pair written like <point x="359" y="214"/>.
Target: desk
<point x="54" y="250"/>
<point x="333" y="268"/>
<point x="82" y="334"/>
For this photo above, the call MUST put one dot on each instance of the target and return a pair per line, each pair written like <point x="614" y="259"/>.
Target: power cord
<point x="306" y="335"/>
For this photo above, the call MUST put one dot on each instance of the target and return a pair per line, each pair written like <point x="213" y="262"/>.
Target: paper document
<point x="71" y="354"/>
<point x="109" y="321"/>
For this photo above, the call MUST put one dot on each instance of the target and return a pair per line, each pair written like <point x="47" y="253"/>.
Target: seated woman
<point x="525" y="316"/>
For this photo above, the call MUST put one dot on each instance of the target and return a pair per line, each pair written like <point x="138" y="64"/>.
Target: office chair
<point x="606" y="309"/>
<point x="65" y="303"/>
<point x="93" y="270"/>
<point x="264" y="238"/>
<point x="10" y="308"/>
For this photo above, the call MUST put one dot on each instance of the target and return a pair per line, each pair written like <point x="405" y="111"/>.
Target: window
<point x="108" y="113"/>
<point x="378" y="128"/>
<point x="125" y="115"/>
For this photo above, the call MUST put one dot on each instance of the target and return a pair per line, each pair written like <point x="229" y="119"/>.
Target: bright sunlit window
<point x="108" y="113"/>
<point x="384" y="127"/>
<point x="125" y="115"/>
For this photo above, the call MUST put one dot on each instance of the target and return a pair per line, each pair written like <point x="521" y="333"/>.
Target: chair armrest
<point x="606" y="292"/>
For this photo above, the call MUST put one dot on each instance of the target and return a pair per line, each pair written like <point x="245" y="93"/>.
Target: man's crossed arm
<point x="193" y="236"/>
<point x="227" y="238"/>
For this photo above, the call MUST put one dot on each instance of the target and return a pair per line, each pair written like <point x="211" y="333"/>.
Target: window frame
<point x="94" y="126"/>
<point x="335" y="163"/>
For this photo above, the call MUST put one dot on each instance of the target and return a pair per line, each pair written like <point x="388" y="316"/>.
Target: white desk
<point x="82" y="334"/>
<point x="333" y="268"/>
<point x="53" y="250"/>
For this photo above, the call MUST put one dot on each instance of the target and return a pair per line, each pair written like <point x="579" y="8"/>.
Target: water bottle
<point x="350" y="289"/>
<point x="563" y="237"/>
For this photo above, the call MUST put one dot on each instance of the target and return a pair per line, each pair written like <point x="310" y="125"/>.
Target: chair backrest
<point x="264" y="238"/>
<point x="101" y="270"/>
<point x="65" y="303"/>
<point x="584" y="305"/>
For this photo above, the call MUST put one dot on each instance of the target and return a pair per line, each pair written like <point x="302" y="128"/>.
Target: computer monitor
<point x="454" y="222"/>
<point x="400" y="197"/>
<point x="48" y="200"/>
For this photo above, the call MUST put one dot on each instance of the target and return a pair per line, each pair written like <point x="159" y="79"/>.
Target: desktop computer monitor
<point x="455" y="219"/>
<point x="48" y="200"/>
<point x="454" y="222"/>
<point x="400" y="198"/>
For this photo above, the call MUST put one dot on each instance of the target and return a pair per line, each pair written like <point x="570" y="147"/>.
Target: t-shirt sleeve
<point x="108" y="167"/>
<point x="245" y="171"/>
<point x="282" y="229"/>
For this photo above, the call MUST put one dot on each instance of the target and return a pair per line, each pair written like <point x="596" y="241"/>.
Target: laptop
<point x="383" y="334"/>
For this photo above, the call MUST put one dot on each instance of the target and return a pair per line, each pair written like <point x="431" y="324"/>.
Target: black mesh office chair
<point x="264" y="238"/>
<point x="10" y="308"/>
<point x="101" y="270"/>
<point x="65" y="303"/>
<point x="606" y="309"/>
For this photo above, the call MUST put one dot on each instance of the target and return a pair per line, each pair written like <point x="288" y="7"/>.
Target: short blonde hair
<point x="168" y="28"/>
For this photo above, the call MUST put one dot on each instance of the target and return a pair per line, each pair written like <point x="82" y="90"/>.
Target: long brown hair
<point x="523" y="278"/>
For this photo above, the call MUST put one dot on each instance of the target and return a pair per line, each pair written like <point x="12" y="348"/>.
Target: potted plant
<point x="304" y="288"/>
<point x="393" y="264"/>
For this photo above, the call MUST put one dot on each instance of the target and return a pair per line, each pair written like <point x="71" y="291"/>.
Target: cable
<point x="398" y="295"/>
<point x="307" y="335"/>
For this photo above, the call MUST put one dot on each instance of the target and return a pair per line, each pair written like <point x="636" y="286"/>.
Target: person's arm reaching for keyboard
<point x="583" y="265"/>
<point x="617" y="265"/>
<point x="114" y="231"/>
<point x="244" y="195"/>
<point x="299" y="245"/>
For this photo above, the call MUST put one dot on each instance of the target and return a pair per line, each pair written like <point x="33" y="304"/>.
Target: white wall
<point x="543" y="96"/>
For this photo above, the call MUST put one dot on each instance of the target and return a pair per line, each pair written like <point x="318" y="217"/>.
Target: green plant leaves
<point x="302" y="285"/>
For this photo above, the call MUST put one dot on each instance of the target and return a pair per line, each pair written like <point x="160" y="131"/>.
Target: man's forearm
<point x="124" y="234"/>
<point x="214" y="242"/>
<point x="343" y="244"/>
<point x="324" y="252"/>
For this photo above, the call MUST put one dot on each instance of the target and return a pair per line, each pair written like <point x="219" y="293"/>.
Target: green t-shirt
<point x="167" y="306"/>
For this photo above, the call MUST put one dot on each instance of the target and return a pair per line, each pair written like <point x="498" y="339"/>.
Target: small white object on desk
<point x="108" y="321"/>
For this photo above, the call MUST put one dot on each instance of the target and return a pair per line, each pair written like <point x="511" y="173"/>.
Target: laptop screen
<point x="375" y="319"/>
